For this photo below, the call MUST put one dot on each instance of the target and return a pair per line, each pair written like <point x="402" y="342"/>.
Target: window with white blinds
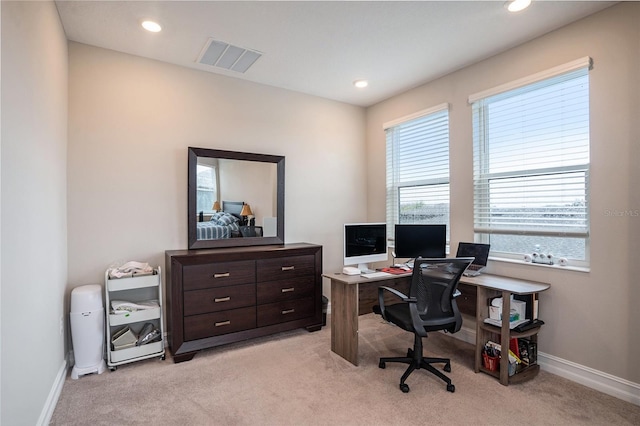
<point x="531" y="167"/>
<point x="206" y="188"/>
<point x="418" y="169"/>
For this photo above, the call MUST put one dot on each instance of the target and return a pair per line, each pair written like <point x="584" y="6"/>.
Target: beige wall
<point x="251" y="182"/>
<point x="34" y="209"/>
<point x="592" y="317"/>
<point x="130" y="123"/>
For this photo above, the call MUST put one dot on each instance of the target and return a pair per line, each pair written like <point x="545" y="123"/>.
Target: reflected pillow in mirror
<point x="224" y="219"/>
<point x="216" y="216"/>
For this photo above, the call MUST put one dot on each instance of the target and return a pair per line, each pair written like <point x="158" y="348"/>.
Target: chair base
<point x="417" y="362"/>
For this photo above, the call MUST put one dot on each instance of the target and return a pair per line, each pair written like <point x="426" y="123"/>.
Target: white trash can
<point x="87" y="330"/>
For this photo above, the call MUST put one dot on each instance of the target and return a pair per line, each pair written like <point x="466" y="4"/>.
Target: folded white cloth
<point x="130" y="269"/>
<point x="122" y="306"/>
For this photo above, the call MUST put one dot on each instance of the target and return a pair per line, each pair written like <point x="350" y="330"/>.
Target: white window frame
<point x="485" y="226"/>
<point x="394" y="186"/>
<point x="200" y="188"/>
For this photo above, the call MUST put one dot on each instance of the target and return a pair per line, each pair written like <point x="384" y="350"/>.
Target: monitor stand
<point x="364" y="268"/>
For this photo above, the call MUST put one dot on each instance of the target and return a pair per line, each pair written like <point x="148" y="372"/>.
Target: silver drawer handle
<point x="226" y="274"/>
<point x="288" y="311"/>
<point x="222" y="299"/>
<point x="288" y="268"/>
<point x="221" y="323"/>
<point x="288" y="290"/>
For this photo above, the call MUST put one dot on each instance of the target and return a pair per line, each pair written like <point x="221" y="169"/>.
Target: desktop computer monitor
<point x="365" y="243"/>
<point x="426" y="241"/>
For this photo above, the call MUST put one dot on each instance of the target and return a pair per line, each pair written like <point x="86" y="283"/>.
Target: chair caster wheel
<point x="404" y="387"/>
<point x="447" y="367"/>
<point x="382" y="365"/>
<point x="451" y="388"/>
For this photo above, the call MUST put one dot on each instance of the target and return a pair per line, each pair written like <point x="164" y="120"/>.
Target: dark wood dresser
<point x="220" y="296"/>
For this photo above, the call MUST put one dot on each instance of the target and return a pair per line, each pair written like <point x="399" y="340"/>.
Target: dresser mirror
<point x="236" y="199"/>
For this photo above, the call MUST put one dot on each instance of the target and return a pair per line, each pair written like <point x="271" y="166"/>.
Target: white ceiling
<point x="321" y="47"/>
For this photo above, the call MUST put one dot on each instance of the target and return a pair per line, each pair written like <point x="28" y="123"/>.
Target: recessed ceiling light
<point x="361" y="83"/>
<point x="154" y="27"/>
<point x="517" y="5"/>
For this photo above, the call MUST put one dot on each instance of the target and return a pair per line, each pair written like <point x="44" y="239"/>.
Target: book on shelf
<point x="528" y="351"/>
<point x="497" y="349"/>
<point x="513" y="346"/>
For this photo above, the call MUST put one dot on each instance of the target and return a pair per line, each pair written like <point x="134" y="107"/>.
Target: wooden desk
<point x="353" y="295"/>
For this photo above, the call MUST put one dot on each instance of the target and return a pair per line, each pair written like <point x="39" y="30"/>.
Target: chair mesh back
<point x="422" y="291"/>
<point x="433" y="283"/>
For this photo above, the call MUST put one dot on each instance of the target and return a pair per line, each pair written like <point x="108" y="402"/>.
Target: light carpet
<point x="293" y="378"/>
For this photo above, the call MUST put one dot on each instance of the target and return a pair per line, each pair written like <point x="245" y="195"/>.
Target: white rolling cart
<point x="124" y="328"/>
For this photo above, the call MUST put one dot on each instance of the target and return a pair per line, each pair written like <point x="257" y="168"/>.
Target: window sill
<point x="541" y="265"/>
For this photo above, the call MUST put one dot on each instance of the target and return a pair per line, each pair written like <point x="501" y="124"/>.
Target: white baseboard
<point x="54" y="395"/>
<point x="594" y="379"/>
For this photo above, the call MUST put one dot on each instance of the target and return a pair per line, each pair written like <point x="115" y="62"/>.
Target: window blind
<point x="418" y="169"/>
<point x="206" y="187"/>
<point x="531" y="159"/>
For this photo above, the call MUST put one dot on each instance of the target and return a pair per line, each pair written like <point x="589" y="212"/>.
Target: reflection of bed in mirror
<point x="223" y="224"/>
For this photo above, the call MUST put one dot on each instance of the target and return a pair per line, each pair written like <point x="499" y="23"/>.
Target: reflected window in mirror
<point x="207" y="185"/>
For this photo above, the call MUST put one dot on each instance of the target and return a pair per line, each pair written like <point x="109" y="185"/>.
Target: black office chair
<point x="251" y="231"/>
<point x="431" y="306"/>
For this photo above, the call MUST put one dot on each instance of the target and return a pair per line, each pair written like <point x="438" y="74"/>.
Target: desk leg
<point x="481" y="300"/>
<point x="344" y="320"/>
<point x="504" y="338"/>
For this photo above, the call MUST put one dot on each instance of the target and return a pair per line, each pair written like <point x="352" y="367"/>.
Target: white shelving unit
<point x="136" y="290"/>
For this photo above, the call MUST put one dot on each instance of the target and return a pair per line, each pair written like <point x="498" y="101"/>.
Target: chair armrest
<point x="396" y="293"/>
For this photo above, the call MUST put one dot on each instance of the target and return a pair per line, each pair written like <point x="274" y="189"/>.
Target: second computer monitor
<point x="427" y="241"/>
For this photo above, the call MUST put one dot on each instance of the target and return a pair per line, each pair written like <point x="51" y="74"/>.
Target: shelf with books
<point x="503" y="331"/>
<point x="522" y="364"/>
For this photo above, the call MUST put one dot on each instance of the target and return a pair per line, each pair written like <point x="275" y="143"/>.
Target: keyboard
<point x="375" y="275"/>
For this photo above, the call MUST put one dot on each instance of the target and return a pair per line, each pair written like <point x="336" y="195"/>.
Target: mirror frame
<point x="194" y="243"/>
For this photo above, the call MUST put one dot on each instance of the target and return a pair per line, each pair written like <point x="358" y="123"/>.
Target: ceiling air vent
<point x="224" y="55"/>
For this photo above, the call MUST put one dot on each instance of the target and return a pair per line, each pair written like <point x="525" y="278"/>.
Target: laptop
<point x="480" y="253"/>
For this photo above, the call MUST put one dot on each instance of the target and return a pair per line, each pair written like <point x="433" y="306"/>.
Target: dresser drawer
<point x="276" y="291"/>
<point x="219" y="299"/>
<point x="285" y="267"/>
<point x="221" y="274"/>
<point x="217" y="323"/>
<point x="275" y="313"/>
